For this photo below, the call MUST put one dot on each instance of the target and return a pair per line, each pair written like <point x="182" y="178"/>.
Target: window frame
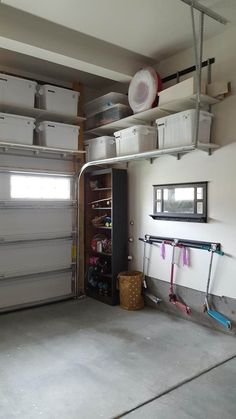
<point x="175" y="216"/>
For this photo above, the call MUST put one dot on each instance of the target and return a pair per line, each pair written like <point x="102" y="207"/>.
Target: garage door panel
<point x="4" y="186"/>
<point x="34" y="257"/>
<point x="37" y="211"/>
<point x="14" y="222"/>
<point x="35" y="163"/>
<point x="26" y="291"/>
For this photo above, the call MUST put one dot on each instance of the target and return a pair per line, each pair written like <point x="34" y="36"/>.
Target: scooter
<point x="172" y="296"/>
<point x="207" y="308"/>
<point x="147" y="294"/>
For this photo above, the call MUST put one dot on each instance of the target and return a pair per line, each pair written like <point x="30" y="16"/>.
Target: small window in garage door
<point x="39" y="187"/>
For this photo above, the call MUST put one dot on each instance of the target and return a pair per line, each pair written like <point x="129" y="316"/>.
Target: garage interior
<point x="117" y="209"/>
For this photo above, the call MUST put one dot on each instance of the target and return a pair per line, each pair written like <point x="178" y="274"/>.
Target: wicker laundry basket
<point x="130" y="284"/>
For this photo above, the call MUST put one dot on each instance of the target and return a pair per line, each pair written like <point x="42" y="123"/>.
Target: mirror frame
<point x="175" y="216"/>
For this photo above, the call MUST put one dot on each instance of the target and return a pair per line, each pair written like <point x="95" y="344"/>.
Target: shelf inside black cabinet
<point x="93" y="252"/>
<point x="112" y="184"/>
<point x="101" y="189"/>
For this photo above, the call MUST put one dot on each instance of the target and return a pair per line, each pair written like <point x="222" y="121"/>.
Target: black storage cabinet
<point x="102" y="266"/>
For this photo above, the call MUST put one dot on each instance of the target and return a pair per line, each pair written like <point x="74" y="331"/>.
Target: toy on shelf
<point x="108" y="222"/>
<point x="94" y="184"/>
<point x="102" y="221"/>
<point x="102" y="203"/>
<point x="98" y="273"/>
<point x="101" y="244"/>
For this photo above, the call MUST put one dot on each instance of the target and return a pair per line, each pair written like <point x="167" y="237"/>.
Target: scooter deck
<point x="181" y="306"/>
<point x="219" y="318"/>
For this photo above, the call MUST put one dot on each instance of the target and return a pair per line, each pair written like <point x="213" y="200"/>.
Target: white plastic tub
<point x="179" y="129"/>
<point x="16" y="129"/>
<point x="17" y="91"/>
<point x="100" y="148"/>
<point x="137" y="139"/>
<point x="57" y="135"/>
<point x="58" y="100"/>
<point x="104" y="102"/>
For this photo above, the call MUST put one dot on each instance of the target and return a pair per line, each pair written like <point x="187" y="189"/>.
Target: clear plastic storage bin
<point x="57" y="135"/>
<point x="137" y="139"/>
<point x="16" y="129"/>
<point x="17" y="91"/>
<point x="114" y="113"/>
<point x="100" y="148"/>
<point x="104" y="102"/>
<point x="179" y="129"/>
<point x="58" y="100"/>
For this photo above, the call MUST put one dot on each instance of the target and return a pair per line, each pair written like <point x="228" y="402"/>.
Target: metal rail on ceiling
<point x="208" y="12"/>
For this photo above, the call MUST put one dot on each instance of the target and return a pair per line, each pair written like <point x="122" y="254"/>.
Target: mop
<point x="172" y="296"/>
<point x="213" y="313"/>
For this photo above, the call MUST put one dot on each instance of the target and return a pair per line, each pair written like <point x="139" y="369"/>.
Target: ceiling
<point x="153" y="28"/>
<point x="46" y="71"/>
<point x="97" y="41"/>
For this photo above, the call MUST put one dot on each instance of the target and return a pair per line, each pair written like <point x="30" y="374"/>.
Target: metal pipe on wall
<point x="75" y="245"/>
<point x="198" y="63"/>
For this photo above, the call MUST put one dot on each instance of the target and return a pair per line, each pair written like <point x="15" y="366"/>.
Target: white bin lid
<point x="9" y="77"/>
<point x="186" y="113"/>
<point x="44" y="124"/>
<point x="108" y="98"/>
<point x="140" y="129"/>
<point x="46" y="87"/>
<point x="10" y="115"/>
<point x="103" y="139"/>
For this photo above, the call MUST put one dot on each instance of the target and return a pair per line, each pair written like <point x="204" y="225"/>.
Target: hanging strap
<point x="185" y="256"/>
<point x="163" y="250"/>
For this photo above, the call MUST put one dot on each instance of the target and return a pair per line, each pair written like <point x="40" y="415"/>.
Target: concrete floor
<point x="212" y="393"/>
<point x="86" y="360"/>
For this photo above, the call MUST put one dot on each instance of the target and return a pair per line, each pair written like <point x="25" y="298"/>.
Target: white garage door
<point x="37" y="219"/>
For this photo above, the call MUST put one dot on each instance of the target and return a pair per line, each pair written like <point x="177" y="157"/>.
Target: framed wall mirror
<point x="180" y="202"/>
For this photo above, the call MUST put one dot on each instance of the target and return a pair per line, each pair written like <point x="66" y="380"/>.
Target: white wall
<point x="219" y="170"/>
